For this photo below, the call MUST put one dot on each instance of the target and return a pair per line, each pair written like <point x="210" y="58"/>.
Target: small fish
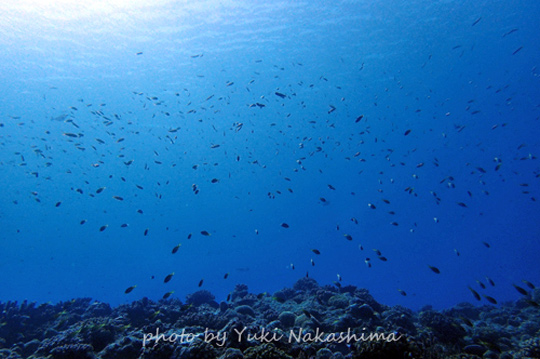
<point x="520" y="290"/>
<point x="476" y="21"/>
<point x="205" y="233"/>
<point x="481" y="284"/>
<point x="168" y="294"/>
<point x="201" y="283"/>
<point x="372" y="206"/>
<point x="292" y="266"/>
<point x="490" y="299"/>
<point x="402" y="292"/>
<point x="308" y="314"/>
<point x="175" y="249"/>
<point x="529" y="284"/>
<point x="214" y="180"/>
<point x="83" y="221"/>
<point x="461" y="204"/>
<point x="348" y="236"/>
<point x="490" y="281"/>
<point x="99" y="190"/>
<point x="518" y="50"/>
<point x="316" y="251"/>
<point x="146" y="231"/>
<point x="312" y="262"/>
<point x="359" y="118"/>
<point x="332" y="109"/>
<point x="466" y="321"/>
<point x="435" y="269"/>
<point x="58" y="204"/>
<point x="280" y="94"/>
<point x="226" y="276"/>
<point x="331" y="187"/>
<point x="339" y="277"/>
<point x="486" y="244"/>
<point x="475" y="294"/>
<point x="508" y="33"/>
<point x="407" y="132"/>
<point x="102" y="228"/>
<point x="284" y="225"/>
<point x="186" y="307"/>
<point x="130" y="289"/>
<point x="168" y="277"/>
<point x="118" y="198"/>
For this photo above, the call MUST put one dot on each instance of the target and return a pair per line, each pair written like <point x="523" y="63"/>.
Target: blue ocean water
<point x="412" y="127"/>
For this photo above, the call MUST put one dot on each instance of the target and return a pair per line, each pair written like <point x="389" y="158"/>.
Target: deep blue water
<point x="162" y="85"/>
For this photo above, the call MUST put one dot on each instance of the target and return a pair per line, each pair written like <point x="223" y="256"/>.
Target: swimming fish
<point x="490" y="299"/>
<point x="481" y="284"/>
<point x="175" y="249"/>
<point x="520" y="290"/>
<point x="130" y="289"/>
<point x="168" y="277"/>
<point x="475" y="294"/>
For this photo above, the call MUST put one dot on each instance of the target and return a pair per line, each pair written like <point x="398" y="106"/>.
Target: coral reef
<point x="306" y="321"/>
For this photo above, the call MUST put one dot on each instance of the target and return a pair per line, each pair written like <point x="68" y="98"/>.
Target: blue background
<point x="443" y="69"/>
